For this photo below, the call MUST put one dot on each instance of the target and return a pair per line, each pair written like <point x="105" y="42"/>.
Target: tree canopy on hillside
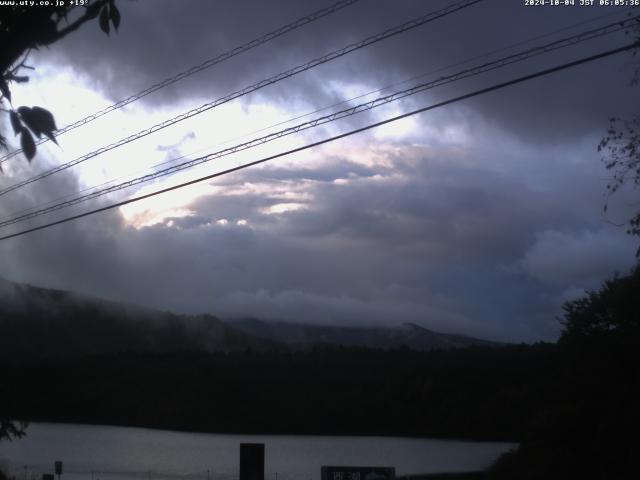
<point x="589" y="430"/>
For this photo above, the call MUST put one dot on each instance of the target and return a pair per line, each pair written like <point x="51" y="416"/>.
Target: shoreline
<point x="278" y="433"/>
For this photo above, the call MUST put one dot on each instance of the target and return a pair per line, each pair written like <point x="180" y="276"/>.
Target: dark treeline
<point x="589" y="428"/>
<point x="479" y="392"/>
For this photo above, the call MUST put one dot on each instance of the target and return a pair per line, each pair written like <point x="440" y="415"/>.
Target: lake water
<point x="91" y="452"/>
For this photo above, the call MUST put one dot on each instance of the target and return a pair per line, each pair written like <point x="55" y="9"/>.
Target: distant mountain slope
<point x="41" y="323"/>
<point x="302" y="336"/>
<point x="38" y="322"/>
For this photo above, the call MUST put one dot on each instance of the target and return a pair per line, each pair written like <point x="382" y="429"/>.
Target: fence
<point x="35" y="472"/>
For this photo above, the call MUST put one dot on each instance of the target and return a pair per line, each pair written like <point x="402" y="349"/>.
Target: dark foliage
<point x="10" y="430"/>
<point x="590" y="430"/>
<point x="622" y="144"/>
<point x="479" y="392"/>
<point x="24" y="28"/>
<point x="609" y="313"/>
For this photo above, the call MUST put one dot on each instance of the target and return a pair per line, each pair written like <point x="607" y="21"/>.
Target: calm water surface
<point x="117" y="453"/>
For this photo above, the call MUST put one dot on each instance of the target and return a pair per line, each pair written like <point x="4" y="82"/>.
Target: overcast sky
<point x="481" y="217"/>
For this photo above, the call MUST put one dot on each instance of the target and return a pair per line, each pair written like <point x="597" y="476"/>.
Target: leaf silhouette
<point x="114" y="14"/>
<point x="104" y="20"/>
<point x="15" y="122"/>
<point x="92" y="11"/>
<point x="27" y="144"/>
<point x="4" y="88"/>
<point x="39" y="120"/>
<point x="31" y="121"/>
<point x="46" y="122"/>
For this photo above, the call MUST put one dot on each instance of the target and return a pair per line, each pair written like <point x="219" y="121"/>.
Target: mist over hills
<point x="304" y="337"/>
<point x="37" y="322"/>
<point x="41" y="323"/>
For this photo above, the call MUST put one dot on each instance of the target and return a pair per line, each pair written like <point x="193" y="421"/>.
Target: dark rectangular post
<point x="252" y="461"/>
<point x="58" y="468"/>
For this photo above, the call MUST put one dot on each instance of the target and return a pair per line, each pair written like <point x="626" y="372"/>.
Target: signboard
<point x="58" y="466"/>
<point x="358" y="473"/>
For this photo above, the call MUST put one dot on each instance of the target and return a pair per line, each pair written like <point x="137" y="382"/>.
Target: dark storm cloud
<point x="442" y="242"/>
<point x="160" y="38"/>
<point x="483" y="220"/>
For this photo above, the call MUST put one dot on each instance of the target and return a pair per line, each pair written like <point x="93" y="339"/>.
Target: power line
<point x="331" y="139"/>
<point x="197" y="68"/>
<point x="511" y="59"/>
<point x="380" y="90"/>
<point x="256" y="86"/>
<point x="342" y="102"/>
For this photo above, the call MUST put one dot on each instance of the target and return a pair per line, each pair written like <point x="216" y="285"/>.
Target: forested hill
<point x="305" y="337"/>
<point x="37" y="322"/>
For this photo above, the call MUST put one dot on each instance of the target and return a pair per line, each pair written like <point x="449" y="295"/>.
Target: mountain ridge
<point x="38" y="322"/>
<point x="306" y="336"/>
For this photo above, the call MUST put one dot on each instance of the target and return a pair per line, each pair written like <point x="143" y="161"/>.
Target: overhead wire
<point x="328" y="107"/>
<point x="486" y="67"/>
<point x="195" y="69"/>
<point x="416" y="22"/>
<point x="395" y="84"/>
<point x="475" y="93"/>
<point x="378" y="90"/>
